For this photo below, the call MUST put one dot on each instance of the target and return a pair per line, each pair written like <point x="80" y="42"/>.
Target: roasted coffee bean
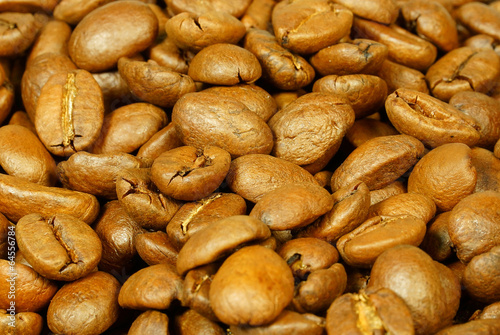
<point x="472" y="224"/>
<point x="258" y="15"/>
<point x="430" y="120"/>
<point x="196" y="289"/>
<point x="284" y="98"/>
<point x="364" y="244"/>
<point x="117" y="232"/>
<point x="73" y="11"/>
<point x="280" y="67"/>
<point x="194" y="216"/>
<point x="431" y="21"/>
<point x="407" y="269"/>
<point x="153" y="287"/>
<point x="154" y="83"/>
<point x="28" y="6"/>
<point x="269" y="284"/>
<point x="399" y="76"/>
<point x="53" y="38"/>
<point x="155" y="248"/>
<point x="69" y="113"/>
<point x="164" y="140"/>
<point x="20" y="197"/>
<point x="201" y="6"/>
<point x="192" y="323"/>
<point x="378" y="162"/>
<point x="208" y="245"/>
<point x="227" y="124"/>
<point x="357" y="56"/>
<point x="482" y="41"/>
<point x="403" y="47"/>
<point x="187" y="173"/>
<point x="304" y="26"/>
<point x="6" y="99"/>
<point x="59" y="247"/>
<point x="86" y="306"/>
<point x="128" y="127"/>
<point x="463" y="69"/>
<point x="32" y="291"/>
<point x="94" y="45"/>
<point x="150" y="322"/>
<point x="479" y="327"/>
<point x="18" y="31"/>
<point x="369" y="312"/>
<point x="252" y="176"/>
<point x="487" y="168"/>
<point x="445" y="174"/>
<point x="195" y="32"/>
<point x="142" y="200"/>
<point x="24" y="156"/>
<point x="21" y="118"/>
<point x="329" y="117"/>
<point x="167" y="54"/>
<point x="385" y="11"/>
<point x="417" y="205"/>
<point x="437" y="243"/>
<point x="292" y="206"/>
<point x="491" y="311"/>
<point x="365" y="129"/>
<point x="365" y="93"/>
<point x="390" y="190"/>
<point x="480" y="18"/>
<point x="27" y="323"/>
<point x="79" y="171"/>
<point x="482" y="276"/>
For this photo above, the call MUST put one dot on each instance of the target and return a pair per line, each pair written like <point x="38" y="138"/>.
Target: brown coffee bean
<point x="194" y="216"/>
<point x="365" y="93"/>
<point x="482" y="41"/>
<point x="69" y="113"/>
<point x="378" y="162"/>
<point x="255" y="98"/>
<point x="280" y="67"/>
<point x="390" y="190"/>
<point x="28" y="6"/>
<point x="196" y="289"/>
<point x="201" y="6"/>
<point x="6" y="99"/>
<point x="369" y="312"/>
<point x="86" y="306"/>
<point x="445" y="174"/>
<point x="269" y="284"/>
<point x="94" y="45"/>
<point x="167" y="54"/>
<point x="484" y="110"/>
<point x="195" y="32"/>
<point x="437" y="243"/>
<point x="37" y="74"/>
<point x="153" y="83"/>
<point x="52" y="38"/>
<point x="304" y="26"/>
<point x="27" y="323"/>
<point x="192" y="323"/>
<point x="21" y="118"/>
<point x="407" y="269"/>
<point x="431" y="21"/>
<point x="349" y="210"/>
<point x="431" y="120"/>
<point x="258" y="15"/>
<point x="385" y="11"/>
<point x="79" y="171"/>
<point x="292" y="206"/>
<point x="417" y="205"/>
<point x="491" y="311"/>
<point x="60" y="247"/>
<point x="472" y="224"/>
<point x="329" y="116"/>
<point x="153" y="287"/>
<point x="227" y="124"/>
<point x="399" y="76"/>
<point x="488" y="170"/>
<point x="142" y="200"/>
<point x="364" y="244"/>
<point x="24" y="156"/>
<point x="73" y="11"/>
<point x="237" y="66"/>
<point x="480" y="18"/>
<point x="19" y="197"/>
<point x="288" y="322"/>
<point x="128" y="127"/>
<point x="463" y="69"/>
<point x="189" y="174"/>
<point x="164" y="140"/>
<point x="150" y="322"/>
<point x="478" y="327"/>
<point x="117" y="232"/>
<point x="155" y="248"/>
<point x="208" y="245"/>
<point x="323" y="178"/>
<point x="365" y="129"/>
<point x="284" y="98"/>
<point x="403" y="47"/>
<point x="352" y="57"/>
<point x="252" y="176"/>
<point x="482" y="276"/>
<point x="32" y="291"/>
<point x="18" y="31"/>
<point x="114" y="89"/>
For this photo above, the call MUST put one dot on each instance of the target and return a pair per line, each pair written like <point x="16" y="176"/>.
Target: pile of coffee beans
<point x="249" y="167"/>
